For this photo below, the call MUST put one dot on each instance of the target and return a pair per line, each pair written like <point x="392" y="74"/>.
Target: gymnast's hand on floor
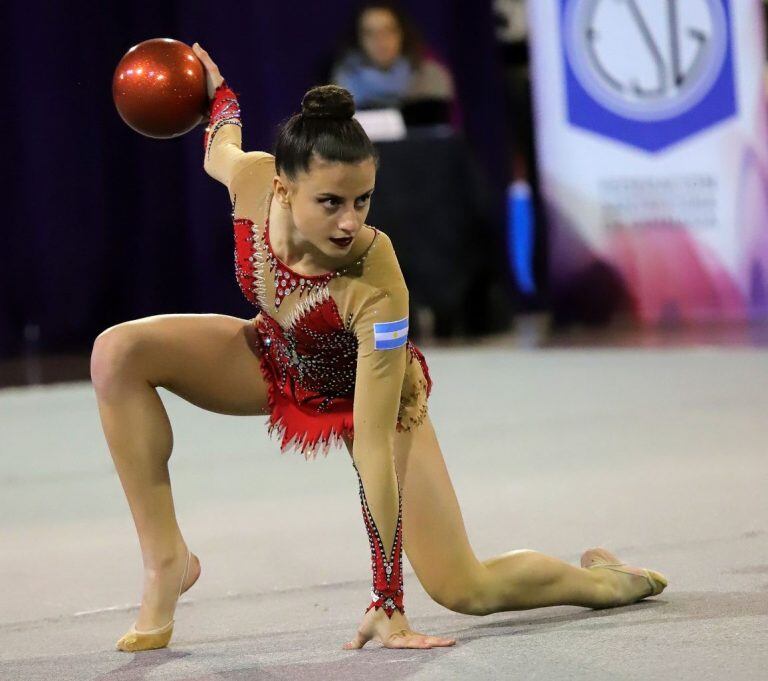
<point x="393" y="633"/>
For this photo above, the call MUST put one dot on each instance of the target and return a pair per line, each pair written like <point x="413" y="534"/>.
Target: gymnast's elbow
<point x="210" y="170"/>
<point x="215" y="169"/>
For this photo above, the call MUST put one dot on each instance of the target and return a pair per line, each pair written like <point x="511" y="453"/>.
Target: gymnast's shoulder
<point x="252" y="172"/>
<point x="373" y="276"/>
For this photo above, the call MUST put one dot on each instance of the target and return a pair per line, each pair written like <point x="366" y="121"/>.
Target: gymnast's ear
<point x="283" y="188"/>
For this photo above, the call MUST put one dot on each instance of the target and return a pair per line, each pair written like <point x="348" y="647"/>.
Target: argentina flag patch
<point x="390" y="335"/>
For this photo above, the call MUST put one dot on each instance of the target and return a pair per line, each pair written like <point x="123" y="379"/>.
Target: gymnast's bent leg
<point x="435" y="541"/>
<point x="204" y="359"/>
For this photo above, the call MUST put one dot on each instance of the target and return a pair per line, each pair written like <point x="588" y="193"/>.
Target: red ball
<point x="159" y="88"/>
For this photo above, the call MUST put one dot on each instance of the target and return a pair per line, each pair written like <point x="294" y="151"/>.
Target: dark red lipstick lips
<point x="342" y="242"/>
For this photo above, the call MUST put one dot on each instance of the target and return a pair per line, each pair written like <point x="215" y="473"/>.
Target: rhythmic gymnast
<point x="328" y="360"/>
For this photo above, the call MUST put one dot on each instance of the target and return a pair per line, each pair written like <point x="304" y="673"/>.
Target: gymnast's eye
<point x="364" y="199"/>
<point x="329" y="201"/>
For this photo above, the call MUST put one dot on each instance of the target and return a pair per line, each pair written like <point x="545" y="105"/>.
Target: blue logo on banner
<point x="648" y="73"/>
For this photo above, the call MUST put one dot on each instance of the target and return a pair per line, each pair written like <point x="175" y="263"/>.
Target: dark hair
<point x="325" y="127"/>
<point x="413" y="43"/>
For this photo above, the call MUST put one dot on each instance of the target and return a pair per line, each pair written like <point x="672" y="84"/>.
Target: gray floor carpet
<point x="659" y="455"/>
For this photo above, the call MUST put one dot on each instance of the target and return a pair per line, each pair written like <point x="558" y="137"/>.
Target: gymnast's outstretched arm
<point x="243" y="173"/>
<point x="381" y="327"/>
<point x="378" y="384"/>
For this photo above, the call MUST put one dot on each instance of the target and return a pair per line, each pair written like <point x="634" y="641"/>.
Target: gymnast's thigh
<point x="203" y="358"/>
<point x="434" y="536"/>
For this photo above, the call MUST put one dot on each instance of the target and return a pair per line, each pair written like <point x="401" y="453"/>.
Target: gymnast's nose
<point x="349" y="222"/>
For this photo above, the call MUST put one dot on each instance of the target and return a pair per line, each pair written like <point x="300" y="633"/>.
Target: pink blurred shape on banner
<point x="671" y="277"/>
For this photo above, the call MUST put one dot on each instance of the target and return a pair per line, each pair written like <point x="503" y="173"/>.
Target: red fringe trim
<point x="299" y="431"/>
<point x="307" y="432"/>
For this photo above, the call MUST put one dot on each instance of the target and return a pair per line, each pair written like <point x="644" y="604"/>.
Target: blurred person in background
<point x="386" y="64"/>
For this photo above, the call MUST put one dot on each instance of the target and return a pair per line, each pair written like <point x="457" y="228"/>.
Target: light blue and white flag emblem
<point x="390" y="335"/>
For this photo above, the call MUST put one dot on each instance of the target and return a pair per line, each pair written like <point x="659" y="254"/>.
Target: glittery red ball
<point x="159" y="88"/>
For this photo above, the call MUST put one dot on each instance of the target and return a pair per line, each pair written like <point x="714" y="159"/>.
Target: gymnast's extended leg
<point x="206" y="360"/>
<point x="436" y="543"/>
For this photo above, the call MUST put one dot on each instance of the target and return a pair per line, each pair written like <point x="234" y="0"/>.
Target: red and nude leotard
<point x="333" y="347"/>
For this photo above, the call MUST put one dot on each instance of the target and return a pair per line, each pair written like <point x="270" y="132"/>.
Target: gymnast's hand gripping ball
<point x="159" y="88"/>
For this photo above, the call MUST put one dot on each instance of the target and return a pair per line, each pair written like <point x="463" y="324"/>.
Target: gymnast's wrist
<point x="222" y="90"/>
<point x="389" y="602"/>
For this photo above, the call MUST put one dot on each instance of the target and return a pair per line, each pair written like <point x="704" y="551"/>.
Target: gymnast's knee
<point x="113" y="352"/>
<point x="466" y="597"/>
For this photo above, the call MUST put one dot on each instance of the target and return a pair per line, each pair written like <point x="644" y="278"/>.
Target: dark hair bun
<point x="328" y="101"/>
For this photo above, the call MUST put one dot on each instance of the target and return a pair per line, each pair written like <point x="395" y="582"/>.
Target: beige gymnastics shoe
<point x="134" y="640"/>
<point x="150" y="639"/>
<point x="602" y="558"/>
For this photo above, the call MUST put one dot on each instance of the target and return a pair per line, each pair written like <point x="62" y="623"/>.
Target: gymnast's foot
<point x="161" y="589"/>
<point x="631" y="584"/>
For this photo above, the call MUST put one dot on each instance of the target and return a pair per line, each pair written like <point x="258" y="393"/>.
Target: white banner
<point x="653" y="155"/>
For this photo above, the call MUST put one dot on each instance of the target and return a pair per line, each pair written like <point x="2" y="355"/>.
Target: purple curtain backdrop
<point x="106" y="225"/>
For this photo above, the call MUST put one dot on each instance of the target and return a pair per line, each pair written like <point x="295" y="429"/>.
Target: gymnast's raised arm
<point x="224" y="157"/>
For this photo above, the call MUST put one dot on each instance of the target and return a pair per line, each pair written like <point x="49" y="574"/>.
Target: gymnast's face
<point x="329" y="203"/>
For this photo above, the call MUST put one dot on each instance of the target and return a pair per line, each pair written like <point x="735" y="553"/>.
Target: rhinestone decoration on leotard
<point x="287" y="281"/>
<point x="318" y="359"/>
<point x="387" y="588"/>
<point x="329" y="370"/>
<point x="225" y="110"/>
<point x="311" y="351"/>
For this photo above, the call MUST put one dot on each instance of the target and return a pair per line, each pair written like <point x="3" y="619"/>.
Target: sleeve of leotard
<point x="224" y="159"/>
<point x="381" y="327"/>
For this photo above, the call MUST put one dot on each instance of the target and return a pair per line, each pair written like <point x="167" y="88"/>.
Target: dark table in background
<point x="433" y="203"/>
